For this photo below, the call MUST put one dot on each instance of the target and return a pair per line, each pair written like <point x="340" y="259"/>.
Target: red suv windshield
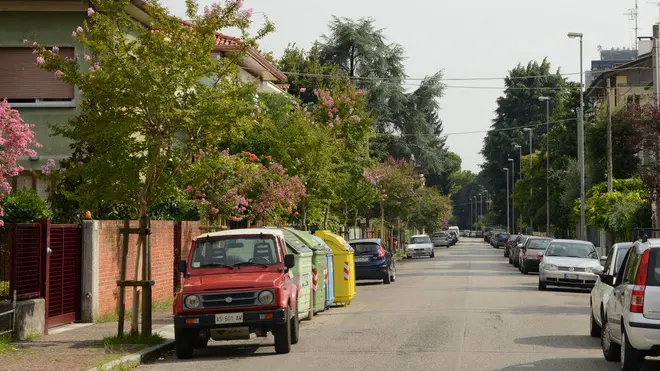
<point x="229" y="252"/>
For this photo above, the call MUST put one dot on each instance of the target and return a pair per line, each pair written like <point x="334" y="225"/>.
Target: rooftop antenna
<point x="656" y="3"/>
<point x="633" y="15"/>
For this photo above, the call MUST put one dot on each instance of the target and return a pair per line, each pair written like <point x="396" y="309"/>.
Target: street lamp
<point x="508" y="227"/>
<point x="547" y="164"/>
<point x="583" y="225"/>
<point x="481" y="209"/>
<point x="513" y="208"/>
<point x="529" y="130"/>
<point x="519" y="148"/>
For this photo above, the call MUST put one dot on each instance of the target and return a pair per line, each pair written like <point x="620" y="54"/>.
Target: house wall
<point x="49" y="29"/>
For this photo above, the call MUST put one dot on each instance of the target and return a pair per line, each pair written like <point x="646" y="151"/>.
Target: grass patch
<point x="130" y="342"/>
<point x="6" y="345"/>
<point x="32" y="337"/>
<point x="155" y="306"/>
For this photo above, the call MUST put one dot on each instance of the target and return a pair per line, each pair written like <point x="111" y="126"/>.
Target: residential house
<point x="43" y="100"/>
<point x="631" y="83"/>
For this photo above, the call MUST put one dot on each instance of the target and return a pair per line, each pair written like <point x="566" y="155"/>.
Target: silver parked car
<point x="632" y="324"/>
<point x="441" y="239"/>
<point x="602" y="291"/>
<point x="569" y="263"/>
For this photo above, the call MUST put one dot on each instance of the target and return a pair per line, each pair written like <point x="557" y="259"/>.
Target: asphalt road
<point x="466" y="309"/>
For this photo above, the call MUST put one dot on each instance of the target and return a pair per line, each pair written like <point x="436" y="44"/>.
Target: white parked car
<point x="569" y="263"/>
<point x="602" y="291"/>
<point x="420" y="245"/>
<point x="632" y="324"/>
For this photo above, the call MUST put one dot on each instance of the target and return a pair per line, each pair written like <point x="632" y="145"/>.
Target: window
<point x="653" y="278"/>
<point x="423" y="239"/>
<point x="620" y="255"/>
<point x="538" y="244"/>
<point x="230" y="252"/>
<point x="630" y="273"/>
<point x="572" y="250"/>
<point x="365" y="248"/>
<point x="22" y="81"/>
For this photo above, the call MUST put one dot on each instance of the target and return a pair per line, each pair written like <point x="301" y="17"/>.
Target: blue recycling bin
<point x="329" y="273"/>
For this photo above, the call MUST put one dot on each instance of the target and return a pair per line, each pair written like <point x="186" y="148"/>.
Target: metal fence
<point x="5" y="265"/>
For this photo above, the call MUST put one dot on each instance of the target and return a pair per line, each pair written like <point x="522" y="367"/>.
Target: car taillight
<point x="637" y="298"/>
<point x="381" y="252"/>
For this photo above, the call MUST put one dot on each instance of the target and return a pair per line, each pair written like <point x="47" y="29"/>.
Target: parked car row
<point x="625" y="288"/>
<point x="625" y="303"/>
<point x="266" y="280"/>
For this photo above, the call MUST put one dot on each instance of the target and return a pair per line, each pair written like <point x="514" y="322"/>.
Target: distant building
<point x="609" y="59"/>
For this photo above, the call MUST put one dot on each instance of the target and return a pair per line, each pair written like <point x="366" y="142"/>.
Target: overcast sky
<point x="466" y="39"/>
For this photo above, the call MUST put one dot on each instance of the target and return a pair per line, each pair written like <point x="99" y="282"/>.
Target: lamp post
<point x="481" y="208"/>
<point x="583" y="225"/>
<point x="531" y="195"/>
<point x="508" y="227"/>
<point x="519" y="148"/>
<point x="547" y="164"/>
<point x="513" y="208"/>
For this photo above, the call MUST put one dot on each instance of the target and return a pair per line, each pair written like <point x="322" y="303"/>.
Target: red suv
<point x="236" y="283"/>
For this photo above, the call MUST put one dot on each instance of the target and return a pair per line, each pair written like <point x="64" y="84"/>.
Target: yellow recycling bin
<point x="344" y="263"/>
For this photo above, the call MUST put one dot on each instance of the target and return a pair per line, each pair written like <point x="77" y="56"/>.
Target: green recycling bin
<point x="302" y="272"/>
<point x="319" y="266"/>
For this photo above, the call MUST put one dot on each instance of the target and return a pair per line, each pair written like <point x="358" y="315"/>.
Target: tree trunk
<point x="355" y="222"/>
<point x="325" y="216"/>
<point x="382" y="219"/>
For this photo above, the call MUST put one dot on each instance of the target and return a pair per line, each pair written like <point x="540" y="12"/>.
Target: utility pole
<point x="609" y="138"/>
<point x="583" y="219"/>
<point x="513" y="181"/>
<point x="508" y="227"/>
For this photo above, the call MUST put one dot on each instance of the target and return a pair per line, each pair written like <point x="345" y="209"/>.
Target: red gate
<point x="63" y="273"/>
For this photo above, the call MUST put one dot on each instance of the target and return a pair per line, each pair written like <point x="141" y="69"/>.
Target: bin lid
<point x="296" y="243"/>
<point x="322" y="243"/>
<point x="308" y="239"/>
<point x="335" y="241"/>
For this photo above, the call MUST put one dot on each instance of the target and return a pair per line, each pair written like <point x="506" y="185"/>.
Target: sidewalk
<point x="73" y="347"/>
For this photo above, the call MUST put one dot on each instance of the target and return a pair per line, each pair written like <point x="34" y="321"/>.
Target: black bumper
<point x="570" y="283"/>
<point x="251" y="319"/>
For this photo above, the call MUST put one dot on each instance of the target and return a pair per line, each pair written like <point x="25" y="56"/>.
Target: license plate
<point x="362" y="259"/>
<point x="225" y="318"/>
<point x="571" y="276"/>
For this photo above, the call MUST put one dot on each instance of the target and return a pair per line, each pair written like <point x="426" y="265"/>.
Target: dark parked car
<point x="532" y="253"/>
<point x="509" y="244"/>
<point x="373" y="261"/>
<point x="514" y="253"/>
<point x="500" y="239"/>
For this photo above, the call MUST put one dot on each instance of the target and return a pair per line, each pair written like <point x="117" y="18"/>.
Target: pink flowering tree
<point x="244" y="187"/>
<point x="343" y="109"/>
<point x="16" y="140"/>
<point x="149" y="101"/>
<point x="396" y="183"/>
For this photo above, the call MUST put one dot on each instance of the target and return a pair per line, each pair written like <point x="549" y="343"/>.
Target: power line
<point x="399" y="79"/>
<point x="477" y="131"/>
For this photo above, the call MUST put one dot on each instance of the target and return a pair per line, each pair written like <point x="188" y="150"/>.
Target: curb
<point x="139" y="357"/>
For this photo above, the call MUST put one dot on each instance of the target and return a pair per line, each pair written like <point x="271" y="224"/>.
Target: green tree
<point x="617" y="211"/>
<point x="624" y="157"/>
<point x="147" y="102"/>
<point x="432" y="210"/>
<point x="534" y="207"/>
<point x="520" y="107"/>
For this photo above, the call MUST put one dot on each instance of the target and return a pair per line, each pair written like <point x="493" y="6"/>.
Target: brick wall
<point x="162" y="260"/>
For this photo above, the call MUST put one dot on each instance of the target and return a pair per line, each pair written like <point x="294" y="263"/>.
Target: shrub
<point x="25" y="206"/>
